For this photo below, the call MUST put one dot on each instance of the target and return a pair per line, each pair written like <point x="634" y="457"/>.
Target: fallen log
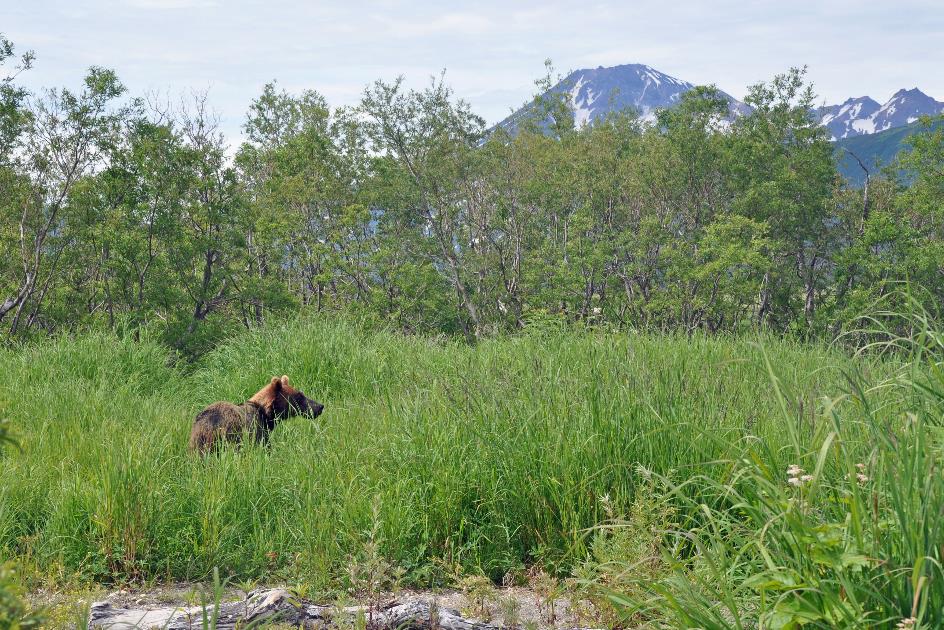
<point x="269" y="606"/>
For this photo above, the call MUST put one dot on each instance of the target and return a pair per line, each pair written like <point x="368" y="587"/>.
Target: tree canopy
<point x="136" y="215"/>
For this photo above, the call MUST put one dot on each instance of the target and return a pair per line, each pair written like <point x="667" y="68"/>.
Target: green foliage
<point x="12" y="113"/>
<point x="897" y="235"/>
<point x="626" y="550"/>
<point x="14" y="613"/>
<point x="878" y="151"/>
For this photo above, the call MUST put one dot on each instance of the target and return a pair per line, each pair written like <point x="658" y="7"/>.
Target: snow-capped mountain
<point x="863" y="115"/>
<point x="596" y="92"/>
<point x="847" y="119"/>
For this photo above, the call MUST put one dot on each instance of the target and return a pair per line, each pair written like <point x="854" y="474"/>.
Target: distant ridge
<point x="596" y="92"/>
<point x="863" y="115"/>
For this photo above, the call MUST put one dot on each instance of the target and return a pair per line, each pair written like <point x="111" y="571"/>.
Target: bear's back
<point x="221" y="420"/>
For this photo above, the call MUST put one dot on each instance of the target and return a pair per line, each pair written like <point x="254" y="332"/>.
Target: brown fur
<point x="226" y="422"/>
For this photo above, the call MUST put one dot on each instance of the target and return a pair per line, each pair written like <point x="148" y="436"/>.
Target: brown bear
<point x="224" y="421"/>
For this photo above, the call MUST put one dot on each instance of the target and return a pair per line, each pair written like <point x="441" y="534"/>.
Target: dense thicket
<point x="131" y="213"/>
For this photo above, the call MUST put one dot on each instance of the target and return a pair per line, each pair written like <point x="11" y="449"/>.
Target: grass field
<point x="446" y="460"/>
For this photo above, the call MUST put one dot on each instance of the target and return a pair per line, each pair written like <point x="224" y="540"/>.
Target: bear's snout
<point x="315" y="408"/>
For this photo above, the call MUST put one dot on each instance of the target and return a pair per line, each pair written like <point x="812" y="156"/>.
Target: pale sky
<point x="492" y="51"/>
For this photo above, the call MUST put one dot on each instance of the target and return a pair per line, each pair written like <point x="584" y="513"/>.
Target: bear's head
<point x="282" y="400"/>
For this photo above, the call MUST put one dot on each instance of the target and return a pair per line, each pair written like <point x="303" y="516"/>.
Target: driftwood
<point x="270" y="606"/>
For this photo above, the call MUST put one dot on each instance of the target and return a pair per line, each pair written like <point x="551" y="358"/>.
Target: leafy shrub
<point x="625" y="550"/>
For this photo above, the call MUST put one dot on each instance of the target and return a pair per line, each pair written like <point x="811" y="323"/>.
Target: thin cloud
<point x="449" y="23"/>
<point x="162" y="5"/>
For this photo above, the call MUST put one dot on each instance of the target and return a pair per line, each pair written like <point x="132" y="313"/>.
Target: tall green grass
<point x="849" y="535"/>
<point x="450" y="458"/>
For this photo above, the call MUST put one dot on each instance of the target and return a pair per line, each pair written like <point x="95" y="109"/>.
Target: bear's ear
<point x="275" y="383"/>
<point x="284" y="381"/>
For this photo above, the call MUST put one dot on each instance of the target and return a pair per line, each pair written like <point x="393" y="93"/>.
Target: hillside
<point x="875" y="150"/>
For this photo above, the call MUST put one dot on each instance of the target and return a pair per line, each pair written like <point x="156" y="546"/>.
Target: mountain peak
<point x="863" y="115"/>
<point x="859" y="99"/>
<point x="912" y="92"/>
<point x="596" y="92"/>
